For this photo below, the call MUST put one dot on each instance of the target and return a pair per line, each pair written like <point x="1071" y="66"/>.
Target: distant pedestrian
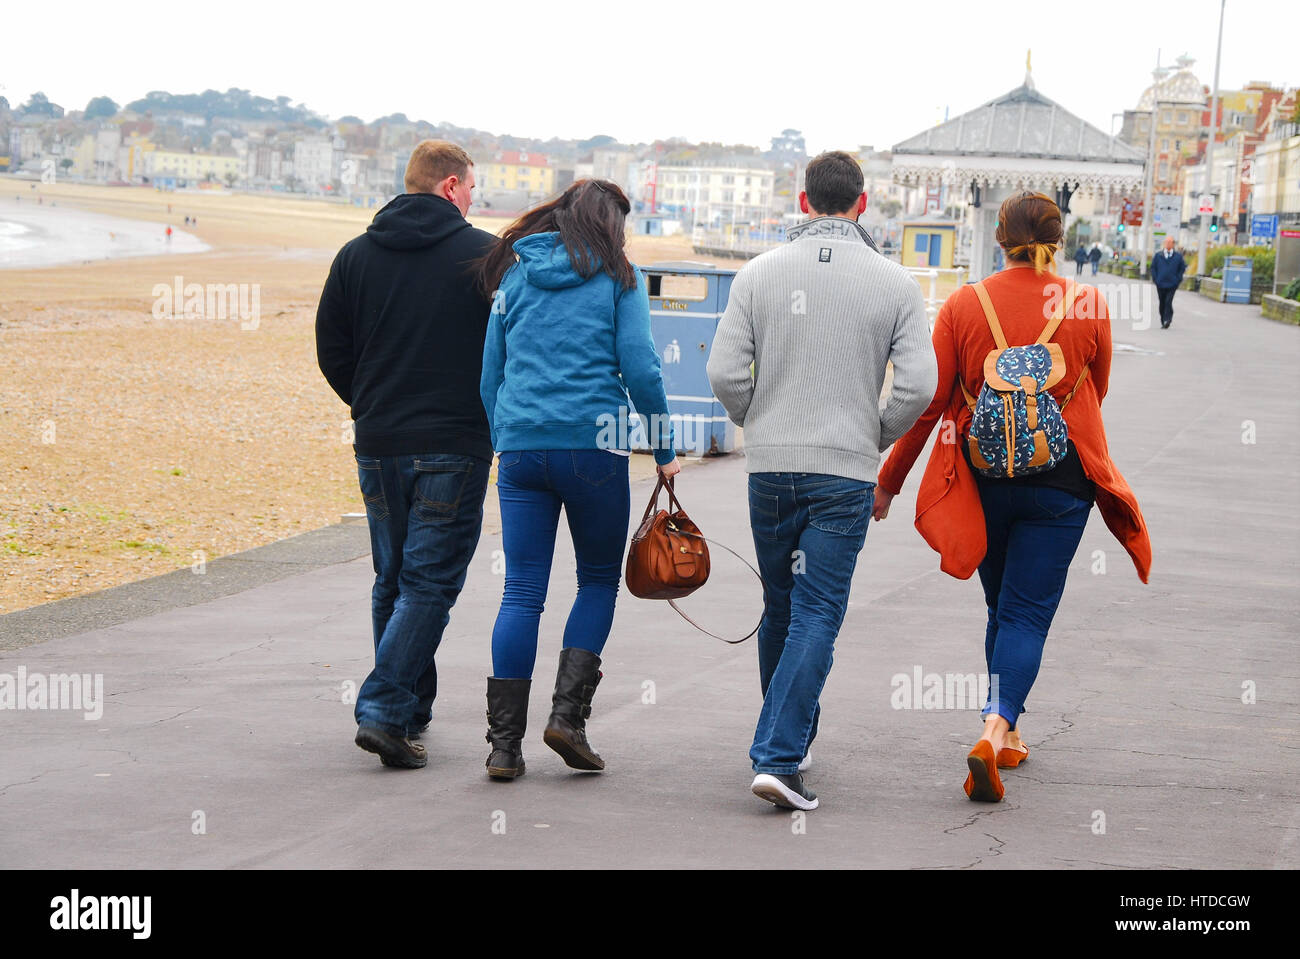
<point x="1080" y="258"/>
<point x="399" y="337"/>
<point x="1094" y="257"/>
<point x="806" y="389"/>
<point x="1015" y="509"/>
<point x="169" y="234"/>
<point x="568" y="343"/>
<point x="1167" y="269"/>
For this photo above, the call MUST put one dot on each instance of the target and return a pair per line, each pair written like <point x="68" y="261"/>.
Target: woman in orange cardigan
<point x="1021" y="532"/>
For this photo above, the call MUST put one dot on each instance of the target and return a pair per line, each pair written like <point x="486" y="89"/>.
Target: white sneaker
<point x="788" y="792"/>
<point x="805" y="764"/>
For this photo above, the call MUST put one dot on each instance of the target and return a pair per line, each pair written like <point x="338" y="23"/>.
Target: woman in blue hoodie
<point x="568" y="340"/>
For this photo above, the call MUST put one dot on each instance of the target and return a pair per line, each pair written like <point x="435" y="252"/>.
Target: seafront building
<point x="717" y="194"/>
<point x="511" y="171"/>
<point x="1021" y="140"/>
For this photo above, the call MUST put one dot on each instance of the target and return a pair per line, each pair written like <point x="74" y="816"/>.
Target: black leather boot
<point x="507" y="715"/>
<point x="575" y="684"/>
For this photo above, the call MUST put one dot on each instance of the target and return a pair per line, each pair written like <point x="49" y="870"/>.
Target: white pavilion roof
<point x="1020" y="138"/>
<point x="1022" y="123"/>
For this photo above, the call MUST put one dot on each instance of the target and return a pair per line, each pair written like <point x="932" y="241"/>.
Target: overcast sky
<point x="845" y="73"/>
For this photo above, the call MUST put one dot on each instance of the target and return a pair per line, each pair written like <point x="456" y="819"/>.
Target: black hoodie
<point x="399" y="331"/>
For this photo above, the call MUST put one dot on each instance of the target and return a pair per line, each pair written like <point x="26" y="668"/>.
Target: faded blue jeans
<point x="808" y="530"/>
<point x="425" y="513"/>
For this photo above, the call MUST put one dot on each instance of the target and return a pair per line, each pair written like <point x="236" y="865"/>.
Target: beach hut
<point x="929" y="241"/>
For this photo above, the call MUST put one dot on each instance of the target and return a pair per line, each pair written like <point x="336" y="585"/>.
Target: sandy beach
<point x="136" y="440"/>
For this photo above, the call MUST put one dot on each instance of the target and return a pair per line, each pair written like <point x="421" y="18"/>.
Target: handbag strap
<point x="673" y="502"/>
<point x="673" y="603"/>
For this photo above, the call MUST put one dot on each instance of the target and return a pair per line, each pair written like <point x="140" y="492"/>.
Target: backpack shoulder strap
<point x="1062" y="308"/>
<point x="1077" y="383"/>
<point x="991" y="316"/>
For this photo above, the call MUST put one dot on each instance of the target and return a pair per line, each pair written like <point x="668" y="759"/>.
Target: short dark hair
<point x="833" y="182"/>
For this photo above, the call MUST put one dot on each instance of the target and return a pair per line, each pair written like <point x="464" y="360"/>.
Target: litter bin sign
<point x="686" y="302"/>
<point x="1236" y="279"/>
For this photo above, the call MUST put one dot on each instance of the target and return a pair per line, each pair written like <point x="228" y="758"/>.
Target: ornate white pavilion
<point x="1019" y="141"/>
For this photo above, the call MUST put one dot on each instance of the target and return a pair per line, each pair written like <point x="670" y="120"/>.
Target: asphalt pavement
<point x="1162" y="728"/>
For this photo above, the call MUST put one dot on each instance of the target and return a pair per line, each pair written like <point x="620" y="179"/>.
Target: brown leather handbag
<point x="669" y="556"/>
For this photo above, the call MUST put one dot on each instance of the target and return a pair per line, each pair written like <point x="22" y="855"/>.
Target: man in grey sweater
<point x="819" y="319"/>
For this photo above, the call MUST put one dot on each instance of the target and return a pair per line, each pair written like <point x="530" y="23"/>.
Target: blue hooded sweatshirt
<point x="563" y="354"/>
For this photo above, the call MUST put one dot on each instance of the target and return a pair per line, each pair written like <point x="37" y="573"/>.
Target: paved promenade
<point x="225" y="739"/>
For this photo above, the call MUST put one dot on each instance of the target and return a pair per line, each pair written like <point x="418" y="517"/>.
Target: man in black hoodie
<point x="399" y="336"/>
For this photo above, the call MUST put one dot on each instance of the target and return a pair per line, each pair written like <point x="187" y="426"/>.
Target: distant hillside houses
<point x="235" y="140"/>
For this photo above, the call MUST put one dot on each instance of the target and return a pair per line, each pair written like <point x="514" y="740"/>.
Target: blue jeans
<point x="1033" y="532"/>
<point x="532" y="485"/>
<point x="425" y="513"/>
<point x="808" y="530"/>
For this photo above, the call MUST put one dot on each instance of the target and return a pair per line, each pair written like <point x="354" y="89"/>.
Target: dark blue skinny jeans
<point x="592" y="487"/>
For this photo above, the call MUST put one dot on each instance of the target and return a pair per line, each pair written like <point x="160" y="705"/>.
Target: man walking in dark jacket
<point x="399" y="336"/>
<point x="1167" y="269"/>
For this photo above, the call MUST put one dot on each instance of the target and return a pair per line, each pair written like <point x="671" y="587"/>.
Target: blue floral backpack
<point x="1016" y="425"/>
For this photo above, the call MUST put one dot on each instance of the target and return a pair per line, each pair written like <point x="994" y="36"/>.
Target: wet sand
<point x="39" y="235"/>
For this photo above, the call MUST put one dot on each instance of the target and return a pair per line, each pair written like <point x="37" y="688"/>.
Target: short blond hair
<point x="432" y="161"/>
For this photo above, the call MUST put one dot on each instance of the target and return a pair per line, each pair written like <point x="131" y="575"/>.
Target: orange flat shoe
<point x="983" y="783"/>
<point x="1009" y="758"/>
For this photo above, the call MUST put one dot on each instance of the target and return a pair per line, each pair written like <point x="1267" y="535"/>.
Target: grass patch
<point x="147" y="547"/>
<point x="18" y="549"/>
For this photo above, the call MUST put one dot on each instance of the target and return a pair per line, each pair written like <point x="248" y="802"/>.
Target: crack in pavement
<point x="170" y="718"/>
<point x="1062" y="782"/>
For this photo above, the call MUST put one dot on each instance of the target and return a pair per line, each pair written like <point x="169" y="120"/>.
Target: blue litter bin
<point x="687" y="300"/>
<point x="1236" y="279"/>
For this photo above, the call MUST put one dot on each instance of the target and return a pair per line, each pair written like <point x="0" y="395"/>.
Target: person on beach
<point x="568" y="341"/>
<point x="1020" y="530"/>
<point x="399" y="337"/>
<point x="798" y="362"/>
<point x="1167" y="269"/>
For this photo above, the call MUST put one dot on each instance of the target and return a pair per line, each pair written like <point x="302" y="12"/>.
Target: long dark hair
<point x="589" y="216"/>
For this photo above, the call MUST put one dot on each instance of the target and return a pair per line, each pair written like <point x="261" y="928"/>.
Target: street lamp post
<point x="1145" y="237"/>
<point x="1106" y="216"/>
<point x="1204" y="238"/>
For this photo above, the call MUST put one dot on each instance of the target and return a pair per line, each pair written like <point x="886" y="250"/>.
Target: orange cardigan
<point x="948" y="511"/>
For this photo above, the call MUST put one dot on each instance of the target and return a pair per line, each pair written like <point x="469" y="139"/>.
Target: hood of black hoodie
<point x="414" y="221"/>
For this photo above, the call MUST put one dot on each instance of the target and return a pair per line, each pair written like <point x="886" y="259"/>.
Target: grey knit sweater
<point x="820" y="318"/>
